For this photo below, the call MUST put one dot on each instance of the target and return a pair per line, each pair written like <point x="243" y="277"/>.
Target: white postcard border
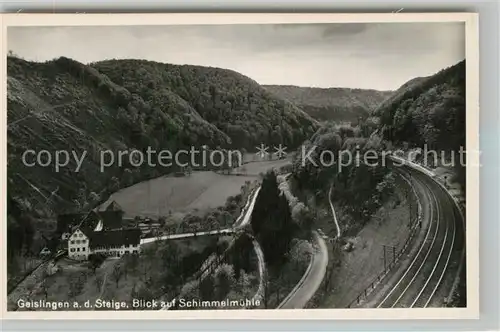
<point x="472" y="180"/>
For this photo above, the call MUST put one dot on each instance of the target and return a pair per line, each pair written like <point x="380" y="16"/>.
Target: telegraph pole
<point x="385" y="260"/>
<point x="393" y="248"/>
<point x="408" y="200"/>
<point x="409" y="205"/>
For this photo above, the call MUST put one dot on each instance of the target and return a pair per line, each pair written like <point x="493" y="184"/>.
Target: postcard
<point x="232" y="166"/>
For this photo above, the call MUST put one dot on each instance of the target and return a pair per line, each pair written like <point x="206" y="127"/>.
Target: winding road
<point x="243" y="220"/>
<point x="425" y="273"/>
<point x="312" y="278"/>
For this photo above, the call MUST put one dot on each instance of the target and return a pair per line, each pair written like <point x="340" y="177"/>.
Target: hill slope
<point x="235" y="104"/>
<point x="63" y="105"/>
<point x="338" y="104"/>
<point x="428" y="111"/>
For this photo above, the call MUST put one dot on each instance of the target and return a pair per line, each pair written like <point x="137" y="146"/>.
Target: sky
<point x="380" y="56"/>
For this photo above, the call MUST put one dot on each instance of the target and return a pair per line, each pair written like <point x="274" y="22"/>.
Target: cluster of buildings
<point x="98" y="232"/>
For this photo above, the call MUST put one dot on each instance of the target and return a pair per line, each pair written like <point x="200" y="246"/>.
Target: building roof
<point x="111" y="219"/>
<point x="65" y="221"/>
<point x="113" y="206"/>
<point x="115" y="238"/>
<point x="89" y="223"/>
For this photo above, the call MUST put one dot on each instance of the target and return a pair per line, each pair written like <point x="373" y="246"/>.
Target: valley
<point x="313" y="236"/>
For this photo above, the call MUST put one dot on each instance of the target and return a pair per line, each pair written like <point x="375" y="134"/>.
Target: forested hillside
<point x="338" y="104"/>
<point x="359" y="189"/>
<point x="233" y="103"/>
<point x="430" y="111"/>
<point x="425" y="110"/>
<point x="123" y="105"/>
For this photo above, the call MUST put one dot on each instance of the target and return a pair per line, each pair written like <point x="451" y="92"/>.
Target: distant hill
<point x="121" y="105"/>
<point x="337" y="104"/>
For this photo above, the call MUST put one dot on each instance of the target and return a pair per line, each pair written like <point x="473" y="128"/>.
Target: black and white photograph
<point x="178" y="168"/>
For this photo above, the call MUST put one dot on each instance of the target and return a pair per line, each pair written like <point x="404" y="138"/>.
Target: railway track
<point x="423" y="277"/>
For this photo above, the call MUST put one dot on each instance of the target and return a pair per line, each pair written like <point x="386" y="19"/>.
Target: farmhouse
<point x="113" y="243"/>
<point x="101" y="232"/>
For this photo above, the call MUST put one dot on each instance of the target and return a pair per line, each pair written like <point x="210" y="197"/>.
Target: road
<point x="312" y="278"/>
<point x="259" y="295"/>
<point x="426" y="269"/>
<point x="310" y="282"/>
<point x="241" y="221"/>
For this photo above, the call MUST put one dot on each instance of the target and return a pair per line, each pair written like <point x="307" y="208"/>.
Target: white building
<point x="101" y="232"/>
<point x="116" y="243"/>
<point x="78" y="245"/>
<point x="113" y="243"/>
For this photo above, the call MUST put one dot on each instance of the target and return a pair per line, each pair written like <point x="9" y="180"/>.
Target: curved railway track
<point x="423" y="277"/>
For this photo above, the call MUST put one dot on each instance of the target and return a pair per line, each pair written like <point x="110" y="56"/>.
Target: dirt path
<point x="366" y="261"/>
<point x="333" y="211"/>
<point x="107" y="267"/>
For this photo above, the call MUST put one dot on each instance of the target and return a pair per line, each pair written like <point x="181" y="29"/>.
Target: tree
<point x="306" y="220"/>
<point x="298" y="210"/>
<point x="114" y="184"/>
<point x="190" y="290"/>
<point x="75" y="284"/>
<point x="328" y="278"/>
<point x="267" y="292"/>
<point x="300" y="253"/>
<point x="170" y="257"/>
<point x="128" y="177"/>
<point x="117" y="273"/>
<point x="137" y="221"/>
<point x="224" y="280"/>
<point x="98" y="283"/>
<point x="145" y="293"/>
<point x="82" y="198"/>
<point x="162" y="221"/>
<point x="93" y="198"/>
<point x="44" y="287"/>
<point x="95" y="260"/>
<point x="207" y="286"/>
<point x="272" y="222"/>
<point x="131" y="262"/>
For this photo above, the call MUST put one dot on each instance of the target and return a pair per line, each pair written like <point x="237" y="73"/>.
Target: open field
<point x="180" y="195"/>
<point x="254" y="168"/>
<point x="160" y="196"/>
